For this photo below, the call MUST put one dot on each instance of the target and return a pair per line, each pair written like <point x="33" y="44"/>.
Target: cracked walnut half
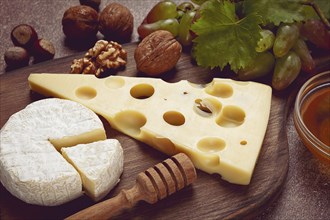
<point x="105" y="55"/>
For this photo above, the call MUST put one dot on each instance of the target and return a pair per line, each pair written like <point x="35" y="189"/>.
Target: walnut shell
<point x="116" y="22"/>
<point x="157" y="53"/>
<point x="80" y="22"/>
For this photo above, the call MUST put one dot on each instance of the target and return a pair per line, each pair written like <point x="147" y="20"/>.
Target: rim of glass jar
<point x="308" y="86"/>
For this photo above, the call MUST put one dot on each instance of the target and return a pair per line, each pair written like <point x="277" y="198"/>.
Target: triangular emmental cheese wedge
<point x="220" y="125"/>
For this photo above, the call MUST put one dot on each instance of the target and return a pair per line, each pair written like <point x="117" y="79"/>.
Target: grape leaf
<point x="276" y="11"/>
<point x="324" y="5"/>
<point x="223" y="39"/>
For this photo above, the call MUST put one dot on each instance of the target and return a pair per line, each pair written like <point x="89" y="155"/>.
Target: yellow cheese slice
<point x="220" y="125"/>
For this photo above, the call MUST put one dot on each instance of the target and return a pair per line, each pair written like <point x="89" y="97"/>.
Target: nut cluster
<point x="27" y="44"/>
<point x="82" y="22"/>
<point x="105" y="55"/>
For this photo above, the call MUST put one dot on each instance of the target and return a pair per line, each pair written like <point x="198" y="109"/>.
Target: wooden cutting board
<point x="208" y="198"/>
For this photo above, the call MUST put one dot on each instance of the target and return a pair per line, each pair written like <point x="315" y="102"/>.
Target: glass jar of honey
<point x="312" y="115"/>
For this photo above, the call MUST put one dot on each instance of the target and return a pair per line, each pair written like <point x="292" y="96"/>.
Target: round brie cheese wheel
<point x="31" y="166"/>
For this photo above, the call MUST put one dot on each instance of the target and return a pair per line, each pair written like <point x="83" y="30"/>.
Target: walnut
<point x="102" y="57"/>
<point x="80" y="22"/>
<point x="84" y="66"/>
<point x="157" y="53"/>
<point x="116" y="22"/>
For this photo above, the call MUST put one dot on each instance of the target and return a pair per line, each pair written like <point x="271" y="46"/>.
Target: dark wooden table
<point x="306" y="192"/>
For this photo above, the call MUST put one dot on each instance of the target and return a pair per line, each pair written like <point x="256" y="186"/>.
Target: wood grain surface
<point x="208" y="198"/>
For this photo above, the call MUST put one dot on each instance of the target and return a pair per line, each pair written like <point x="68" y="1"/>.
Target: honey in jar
<point x="315" y="112"/>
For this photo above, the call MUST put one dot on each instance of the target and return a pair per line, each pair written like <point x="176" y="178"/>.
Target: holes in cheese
<point x="207" y="107"/>
<point x="211" y="144"/>
<point x="231" y="116"/>
<point x="244" y="142"/>
<point x="130" y="122"/>
<point x="219" y="89"/>
<point x="114" y="82"/>
<point x="174" y="118"/>
<point x="86" y="92"/>
<point x="164" y="144"/>
<point x="142" y="91"/>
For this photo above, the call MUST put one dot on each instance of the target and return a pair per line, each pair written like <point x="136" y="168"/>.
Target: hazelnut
<point x="16" y="57"/>
<point x="157" y="53"/>
<point x="23" y="35"/>
<point x="116" y="22"/>
<point x="91" y="3"/>
<point x="43" y="50"/>
<point x="80" y="22"/>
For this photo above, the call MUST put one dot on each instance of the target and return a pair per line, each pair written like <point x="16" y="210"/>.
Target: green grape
<point x="198" y="10"/>
<point x="180" y="14"/>
<point x="171" y="25"/>
<point x="185" y="7"/>
<point x="261" y="66"/>
<point x="184" y="35"/>
<point x="161" y="11"/>
<point x="307" y="62"/>
<point x="287" y="68"/>
<point x="286" y="37"/>
<point x="266" y="42"/>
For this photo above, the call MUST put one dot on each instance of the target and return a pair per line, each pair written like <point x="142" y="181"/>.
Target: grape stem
<point x="318" y="12"/>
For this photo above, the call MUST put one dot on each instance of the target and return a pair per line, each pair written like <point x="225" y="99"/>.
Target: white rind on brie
<point x="30" y="167"/>
<point x="100" y="165"/>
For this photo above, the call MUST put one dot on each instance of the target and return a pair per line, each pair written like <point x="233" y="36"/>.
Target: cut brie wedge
<point x="220" y="125"/>
<point x="100" y="165"/>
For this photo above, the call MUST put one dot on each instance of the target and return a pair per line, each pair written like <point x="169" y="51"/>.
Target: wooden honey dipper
<point x="154" y="184"/>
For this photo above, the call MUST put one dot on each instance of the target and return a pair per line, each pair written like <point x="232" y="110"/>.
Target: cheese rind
<point x="220" y="125"/>
<point x="30" y="167"/>
<point x="100" y="165"/>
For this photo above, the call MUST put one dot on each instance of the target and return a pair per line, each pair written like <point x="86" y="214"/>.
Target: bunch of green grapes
<point x="284" y="52"/>
<point x="167" y="15"/>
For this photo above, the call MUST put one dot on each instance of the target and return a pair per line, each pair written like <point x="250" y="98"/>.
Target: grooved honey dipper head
<point x="167" y="177"/>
